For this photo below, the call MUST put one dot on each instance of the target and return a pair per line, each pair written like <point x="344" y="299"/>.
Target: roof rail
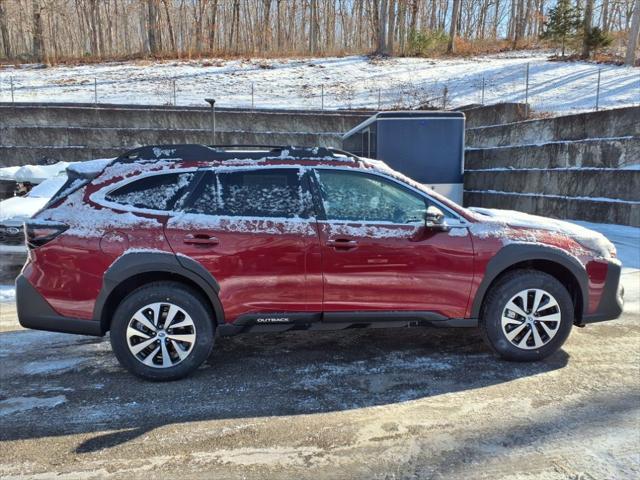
<point x="197" y="152"/>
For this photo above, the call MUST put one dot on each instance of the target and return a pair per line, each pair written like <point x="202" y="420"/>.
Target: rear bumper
<point x="612" y="300"/>
<point x="34" y="312"/>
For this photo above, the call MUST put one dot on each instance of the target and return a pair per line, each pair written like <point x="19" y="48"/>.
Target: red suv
<point x="167" y="246"/>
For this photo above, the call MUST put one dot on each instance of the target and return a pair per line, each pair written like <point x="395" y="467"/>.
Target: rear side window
<point x="258" y="193"/>
<point x="156" y="192"/>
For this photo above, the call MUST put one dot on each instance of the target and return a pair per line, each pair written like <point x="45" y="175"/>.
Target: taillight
<point x="38" y="233"/>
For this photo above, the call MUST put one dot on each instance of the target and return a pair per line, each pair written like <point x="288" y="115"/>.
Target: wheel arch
<point x="135" y="269"/>
<point x="565" y="268"/>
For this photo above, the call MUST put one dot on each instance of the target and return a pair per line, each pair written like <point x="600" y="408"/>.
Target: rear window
<point x="156" y="192"/>
<point x="259" y="193"/>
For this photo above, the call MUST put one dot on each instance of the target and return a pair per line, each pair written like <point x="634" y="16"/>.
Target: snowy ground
<point x="347" y="82"/>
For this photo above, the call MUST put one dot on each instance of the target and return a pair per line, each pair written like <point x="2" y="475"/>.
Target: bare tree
<point x="630" y="58"/>
<point x="586" y="28"/>
<point x="152" y="26"/>
<point x="383" y="6"/>
<point x="55" y="29"/>
<point x="4" y="32"/>
<point x="391" y="27"/>
<point x="453" y="30"/>
<point x="38" y="42"/>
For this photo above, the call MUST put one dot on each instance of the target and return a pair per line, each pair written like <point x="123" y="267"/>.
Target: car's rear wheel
<point x="527" y="315"/>
<point x="162" y="331"/>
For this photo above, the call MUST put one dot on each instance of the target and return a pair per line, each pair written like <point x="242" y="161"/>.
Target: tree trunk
<point x="172" y="38"/>
<point x="382" y="26"/>
<point x="605" y="16"/>
<point x="391" y="29"/>
<point x="152" y="26"/>
<point x="630" y="58"/>
<point x="414" y="16"/>
<point x="586" y="28"/>
<point x="38" y="43"/>
<point x="453" y="30"/>
<point x="4" y="32"/>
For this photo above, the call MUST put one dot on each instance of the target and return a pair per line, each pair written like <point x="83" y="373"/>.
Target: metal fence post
<point x="598" y="90"/>
<point x="482" y="101"/>
<point x="252" y="98"/>
<point x="95" y="91"/>
<point x="445" y="92"/>
<point x="526" y="93"/>
<point x="212" y="102"/>
<point x="322" y="97"/>
<point x="12" y="94"/>
<point x="174" y="92"/>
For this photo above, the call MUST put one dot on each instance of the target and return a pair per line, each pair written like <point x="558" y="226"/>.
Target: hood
<point x="18" y="209"/>
<point x="589" y="239"/>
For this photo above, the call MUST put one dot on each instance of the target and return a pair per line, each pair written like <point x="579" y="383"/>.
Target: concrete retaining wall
<point x="483" y="115"/>
<point x="562" y="208"/>
<point x="177" y="118"/>
<point x="128" y="137"/>
<point x="610" y="184"/>
<point x="554" y="169"/>
<point x="609" y="152"/>
<point x="606" y="123"/>
<point x="30" y="133"/>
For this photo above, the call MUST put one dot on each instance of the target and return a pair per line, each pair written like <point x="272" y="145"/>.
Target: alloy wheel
<point x="531" y="318"/>
<point x="161" y="335"/>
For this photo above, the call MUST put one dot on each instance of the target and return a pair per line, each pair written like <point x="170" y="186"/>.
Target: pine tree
<point x="597" y="39"/>
<point x="564" y="20"/>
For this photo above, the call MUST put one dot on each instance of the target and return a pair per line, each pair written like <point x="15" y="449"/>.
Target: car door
<point x="376" y="256"/>
<point x="252" y="229"/>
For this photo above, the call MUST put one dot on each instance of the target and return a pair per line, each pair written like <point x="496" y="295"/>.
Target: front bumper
<point x="34" y="312"/>
<point x="612" y="299"/>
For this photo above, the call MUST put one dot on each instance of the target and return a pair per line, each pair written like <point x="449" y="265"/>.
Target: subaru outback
<point x="166" y="247"/>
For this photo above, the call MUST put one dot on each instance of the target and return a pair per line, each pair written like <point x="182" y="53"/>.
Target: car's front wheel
<point x="527" y="315"/>
<point x="162" y="331"/>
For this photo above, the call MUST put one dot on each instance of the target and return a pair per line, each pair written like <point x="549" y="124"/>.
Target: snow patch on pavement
<point x="47" y="366"/>
<point x="23" y="404"/>
<point x="7" y="293"/>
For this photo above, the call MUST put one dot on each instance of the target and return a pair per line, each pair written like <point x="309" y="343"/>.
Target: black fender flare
<point x="522" y="252"/>
<point x="134" y="263"/>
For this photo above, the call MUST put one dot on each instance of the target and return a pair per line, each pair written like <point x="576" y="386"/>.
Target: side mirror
<point x="434" y="218"/>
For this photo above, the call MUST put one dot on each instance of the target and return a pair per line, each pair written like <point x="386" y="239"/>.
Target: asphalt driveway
<point x="411" y="403"/>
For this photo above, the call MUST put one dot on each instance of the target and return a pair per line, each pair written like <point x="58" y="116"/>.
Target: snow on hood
<point x="589" y="239"/>
<point x="33" y="173"/>
<point x="20" y="208"/>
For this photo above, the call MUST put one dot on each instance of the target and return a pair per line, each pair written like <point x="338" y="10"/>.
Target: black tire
<point x="181" y="296"/>
<point x="496" y="301"/>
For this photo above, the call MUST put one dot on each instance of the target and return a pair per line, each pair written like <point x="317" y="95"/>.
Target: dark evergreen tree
<point x="564" y="20"/>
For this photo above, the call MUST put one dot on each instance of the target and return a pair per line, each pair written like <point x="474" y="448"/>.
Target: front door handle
<point x="342" y="244"/>
<point x="200" y="239"/>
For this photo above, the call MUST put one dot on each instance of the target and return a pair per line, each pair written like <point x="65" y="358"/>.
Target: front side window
<point x="155" y="192"/>
<point x="275" y="193"/>
<point x="361" y="197"/>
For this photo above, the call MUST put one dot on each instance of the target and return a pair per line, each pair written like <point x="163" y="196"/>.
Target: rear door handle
<point x="342" y="244"/>
<point x="200" y="239"/>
